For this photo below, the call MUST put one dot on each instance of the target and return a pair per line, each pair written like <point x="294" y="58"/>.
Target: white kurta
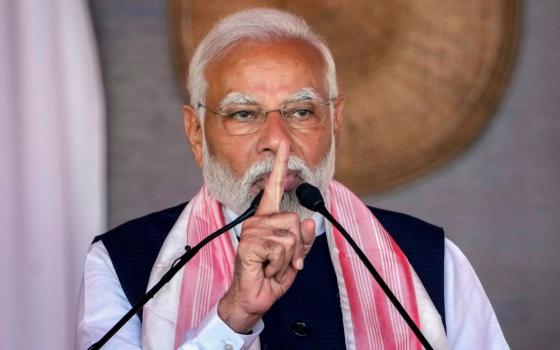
<point x="470" y="320"/>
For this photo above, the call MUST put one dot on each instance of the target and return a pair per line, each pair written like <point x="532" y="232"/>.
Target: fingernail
<point x="299" y="264"/>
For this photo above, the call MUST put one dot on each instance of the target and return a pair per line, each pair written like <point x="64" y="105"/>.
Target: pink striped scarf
<point x="370" y="321"/>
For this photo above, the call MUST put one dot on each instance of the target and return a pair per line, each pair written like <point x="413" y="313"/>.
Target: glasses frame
<point x="263" y="115"/>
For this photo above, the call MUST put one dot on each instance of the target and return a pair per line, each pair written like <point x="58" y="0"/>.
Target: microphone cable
<point x="311" y="198"/>
<point x="175" y="267"/>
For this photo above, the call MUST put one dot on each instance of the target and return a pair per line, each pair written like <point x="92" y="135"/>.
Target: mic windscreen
<point x="310" y="197"/>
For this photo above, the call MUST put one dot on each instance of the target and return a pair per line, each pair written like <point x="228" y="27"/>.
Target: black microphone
<point x="310" y="197"/>
<point x="175" y="267"/>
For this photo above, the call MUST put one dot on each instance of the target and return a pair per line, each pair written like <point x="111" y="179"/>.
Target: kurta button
<point x="300" y="328"/>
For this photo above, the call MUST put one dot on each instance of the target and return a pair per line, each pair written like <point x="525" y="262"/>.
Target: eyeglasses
<point x="244" y="119"/>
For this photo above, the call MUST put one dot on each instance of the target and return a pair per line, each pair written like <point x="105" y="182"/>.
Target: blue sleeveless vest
<point x="308" y="316"/>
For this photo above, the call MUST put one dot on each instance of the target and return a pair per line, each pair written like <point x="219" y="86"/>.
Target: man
<point x="265" y="114"/>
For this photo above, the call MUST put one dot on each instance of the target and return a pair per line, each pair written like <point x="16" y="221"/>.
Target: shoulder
<point x="417" y="238"/>
<point x="153" y="224"/>
<point x="133" y="247"/>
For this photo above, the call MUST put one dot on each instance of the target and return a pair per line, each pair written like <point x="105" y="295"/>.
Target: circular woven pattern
<point x="422" y="78"/>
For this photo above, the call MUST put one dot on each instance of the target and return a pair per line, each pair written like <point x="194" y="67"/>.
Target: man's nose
<point x="274" y="129"/>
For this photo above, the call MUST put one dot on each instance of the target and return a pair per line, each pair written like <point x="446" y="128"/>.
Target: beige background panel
<point x="422" y="77"/>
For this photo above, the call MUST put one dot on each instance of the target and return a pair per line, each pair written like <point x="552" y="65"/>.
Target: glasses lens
<point x="304" y="114"/>
<point x="241" y="119"/>
<point x="246" y="119"/>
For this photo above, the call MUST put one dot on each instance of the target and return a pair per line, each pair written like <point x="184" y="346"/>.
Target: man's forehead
<point x="238" y="97"/>
<point x="258" y="68"/>
<point x="243" y="45"/>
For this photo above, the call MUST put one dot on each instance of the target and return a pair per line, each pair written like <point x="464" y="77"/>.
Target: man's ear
<point x="193" y="131"/>
<point x="337" y="117"/>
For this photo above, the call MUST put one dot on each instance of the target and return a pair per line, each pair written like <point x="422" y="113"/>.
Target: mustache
<point x="236" y="191"/>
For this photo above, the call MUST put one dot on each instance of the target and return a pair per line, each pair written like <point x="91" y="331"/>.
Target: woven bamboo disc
<point x="422" y="78"/>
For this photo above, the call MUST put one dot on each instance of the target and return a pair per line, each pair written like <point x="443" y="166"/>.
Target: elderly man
<point x="265" y="113"/>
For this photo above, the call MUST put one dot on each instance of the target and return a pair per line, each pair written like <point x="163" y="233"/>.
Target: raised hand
<point x="271" y="250"/>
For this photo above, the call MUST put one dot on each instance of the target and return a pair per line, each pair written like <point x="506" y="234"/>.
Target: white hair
<point x="260" y="24"/>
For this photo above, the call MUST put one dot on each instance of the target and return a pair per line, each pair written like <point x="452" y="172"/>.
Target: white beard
<point x="238" y="193"/>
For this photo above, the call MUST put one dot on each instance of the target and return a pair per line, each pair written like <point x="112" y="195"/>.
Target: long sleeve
<point x="471" y="321"/>
<point x="102" y="302"/>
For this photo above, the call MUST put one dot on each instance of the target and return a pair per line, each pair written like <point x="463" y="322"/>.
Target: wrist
<point x="235" y="317"/>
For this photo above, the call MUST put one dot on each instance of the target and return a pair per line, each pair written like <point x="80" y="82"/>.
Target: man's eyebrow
<point x="303" y="95"/>
<point x="237" y="98"/>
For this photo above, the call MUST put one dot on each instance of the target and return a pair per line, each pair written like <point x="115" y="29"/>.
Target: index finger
<point x="274" y="188"/>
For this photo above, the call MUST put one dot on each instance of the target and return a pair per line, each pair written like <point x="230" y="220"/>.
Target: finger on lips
<point x="283" y="244"/>
<point x="274" y="188"/>
<point x="272" y="197"/>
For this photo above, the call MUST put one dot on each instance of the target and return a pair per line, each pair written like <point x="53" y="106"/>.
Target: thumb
<point x="307" y="234"/>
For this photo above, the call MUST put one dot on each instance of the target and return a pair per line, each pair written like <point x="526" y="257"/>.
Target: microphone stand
<point x="310" y="197"/>
<point x="177" y="265"/>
